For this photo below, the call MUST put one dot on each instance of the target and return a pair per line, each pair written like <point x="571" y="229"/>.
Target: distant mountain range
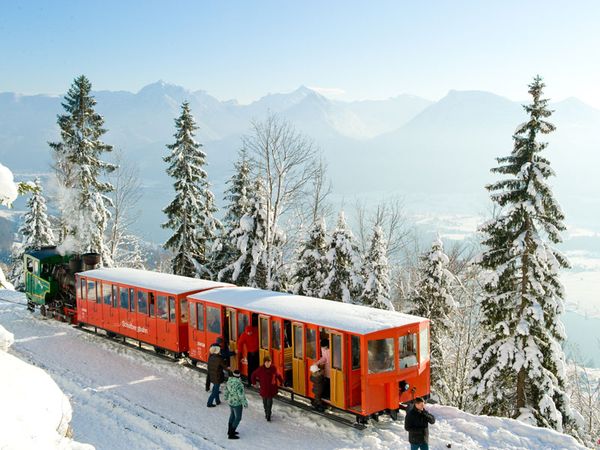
<point x="437" y="155"/>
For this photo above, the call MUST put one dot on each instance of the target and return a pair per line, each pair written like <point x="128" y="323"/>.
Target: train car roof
<point x="327" y="313"/>
<point x="44" y="253"/>
<point x="153" y="281"/>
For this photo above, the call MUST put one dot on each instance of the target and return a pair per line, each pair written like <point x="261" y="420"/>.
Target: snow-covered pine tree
<point x="376" y="271"/>
<point x="190" y="214"/>
<point x="519" y="368"/>
<point x="250" y="268"/>
<point x="239" y="195"/>
<point x="311" y="266"/>
<point x="433" y="299"/>
<point x="35" y="231"/>
<point x="82" y="198"/>
<point x="344" y="282"/>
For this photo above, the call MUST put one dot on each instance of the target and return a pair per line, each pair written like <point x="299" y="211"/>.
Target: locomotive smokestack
<point x="91" y="260"/>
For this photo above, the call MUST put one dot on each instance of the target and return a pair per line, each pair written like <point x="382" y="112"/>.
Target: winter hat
<point x="219" y="340"/>
<point x="314" y="368"/>
<point x="214" y="350"/>
<point x="324" y="343"/>
<point x="236" y="373"/>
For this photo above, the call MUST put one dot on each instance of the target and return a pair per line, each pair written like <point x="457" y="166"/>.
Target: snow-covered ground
<point x="125" y="399"/>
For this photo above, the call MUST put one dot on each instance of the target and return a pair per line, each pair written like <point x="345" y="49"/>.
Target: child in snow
<point x="269" y="381"/>
<point x="234" y="394"/>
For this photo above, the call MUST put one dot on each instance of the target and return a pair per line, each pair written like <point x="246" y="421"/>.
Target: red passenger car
<point x="379" y="359"/>
<point x="150" y="307"/>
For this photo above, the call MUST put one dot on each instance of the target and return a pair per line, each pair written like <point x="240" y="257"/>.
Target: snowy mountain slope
<point x="125" y="399"/>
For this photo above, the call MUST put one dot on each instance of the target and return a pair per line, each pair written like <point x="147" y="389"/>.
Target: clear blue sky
<point x="355" y="50"/>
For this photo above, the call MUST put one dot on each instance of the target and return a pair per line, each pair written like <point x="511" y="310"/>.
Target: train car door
<point x="142" y="317"/>
<point x="355" y="376"/>
<point x="172" y="328"/>
<point x="214" y="324"/>
<point x="106" y="305"/>
<point x="338" y="385"/>
<point x="93" y="313"/>
<point x="298" y="364"/>
<point x="263" y="338"/>
<point x="197" y="336"/>
<point x="162" y="320"/>
<point x="276" y="350"/>
<point x="152" y="335"/>
<point x="311" y="332"/>
<point x="82" y="304"/>
<point x="114" y="310"/>
<point x="233" y="336"/>
<point x="129" y="325"/>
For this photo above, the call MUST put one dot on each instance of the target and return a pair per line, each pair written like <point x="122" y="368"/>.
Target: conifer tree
<point x="344" y="282"/>
<point x="190" y="214"/>
<point x="311" y="267"/>
<point x="250" y="268"/>
<point x="82" y="194"/>
<point x="519" y="368"/>
<point x="376" y="292"/>
<point x="239" y="195"/>
<point x="433" y="299"/>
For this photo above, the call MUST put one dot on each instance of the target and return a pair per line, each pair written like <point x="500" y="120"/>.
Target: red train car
<point x="150" y="307"/>
<point x="378" y="359"/>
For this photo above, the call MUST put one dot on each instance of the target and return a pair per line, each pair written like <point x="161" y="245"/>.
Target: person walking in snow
<point x="417" y="422"/>
<point x="317" y="379"/>
<point x="269" y="381"/>
<point x="215" y="375"/>
<point x="236" y="397"/>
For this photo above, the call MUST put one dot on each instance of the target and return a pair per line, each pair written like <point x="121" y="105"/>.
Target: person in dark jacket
<point x="317" y="379"/>
<point x="417" y="422"/>
<point x="216" y="366"/>
<point x="269" y="381"/>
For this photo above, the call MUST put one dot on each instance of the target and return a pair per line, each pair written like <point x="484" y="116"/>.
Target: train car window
<point x="276" y="335"/>
<point x="381" y="355"/>
<point x="336" y="351"/>
<point x="355" y="344"/>
<point x="161" y="308"/>
<point x="172" y="309"/>
<point x="124" y="295"/>
<point x="424" y="345"/>
<point x="264" y="333"/>
<point x="184" y="310"/>
<point x="232" y="326"/>
<point x="311" y="343"/>
<point x="29" y="265"/>
<point x="200" y="311"/>
<point x="142" y="298"/>
<point x="107" y="293"/>
<point x="91" y="290"/>
<point x="298" y="349"/>
<point x="193" y="315"/>
<point x="36" y="267"/>
<point x="151" y="303"/>
<point x="408" y="350"/>
<point x="131" y="300"/>
<point x="115" y="296"/>
<point x="242" y="323"/>
<point x="213" y="319"/>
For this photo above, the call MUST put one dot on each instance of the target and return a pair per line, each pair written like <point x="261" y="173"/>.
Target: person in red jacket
<point x="248" y="346"/>
<point x="269" y="381"/>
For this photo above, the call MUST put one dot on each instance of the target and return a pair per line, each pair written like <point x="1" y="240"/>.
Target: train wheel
<point x="160" y="351"/>
<point x="30" y="307"/>
<point x="394" y="414"/>
<point x="110" y="334"/>
<point x="363" y="420"/>
<point x="43" y="310"/>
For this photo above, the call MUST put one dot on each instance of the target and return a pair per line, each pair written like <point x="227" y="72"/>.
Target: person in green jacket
<point x="235" y="396"/>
